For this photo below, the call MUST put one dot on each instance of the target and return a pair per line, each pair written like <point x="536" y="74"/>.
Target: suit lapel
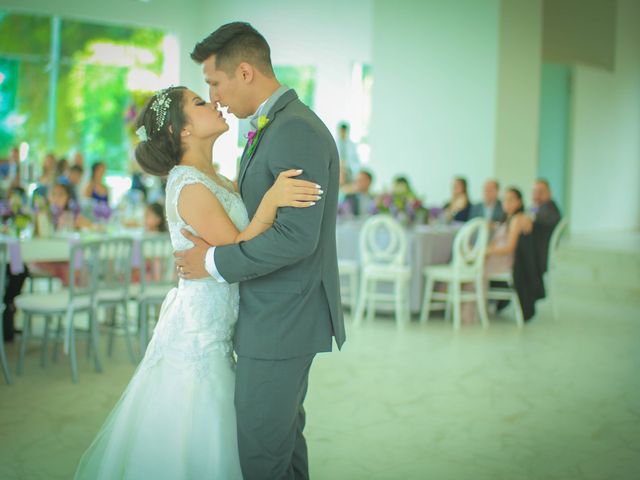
<point x="245" y="161"/>
<point x="242" y="161"/>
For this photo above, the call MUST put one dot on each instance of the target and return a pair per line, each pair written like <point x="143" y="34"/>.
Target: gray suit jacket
<point x="477" y="210"/>
<point x="289" y="292"/>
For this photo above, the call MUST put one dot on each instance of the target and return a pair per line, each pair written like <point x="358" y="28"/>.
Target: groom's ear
<point x="246" y="72"/>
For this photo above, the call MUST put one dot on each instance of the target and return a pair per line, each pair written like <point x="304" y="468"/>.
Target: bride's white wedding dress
<point x="176" y="419"/>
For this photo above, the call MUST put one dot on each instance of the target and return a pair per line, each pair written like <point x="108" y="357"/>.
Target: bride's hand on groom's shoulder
<point x="288" y="191"/>
<point x="190" y="264"/>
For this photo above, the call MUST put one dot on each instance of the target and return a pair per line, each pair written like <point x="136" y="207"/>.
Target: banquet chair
<point x="113" y="289"/>
<point x="466" y="267"/>
<point x="35" y="275"/>
<point x="79" y="297"/>
<point x="383" y="262"/>
<point x="157" y="278"/>
<point x="507" y="292"/>
<point x="348" y="269"/>
<point x="4" y="260"/>
<point x="559" y="232"/>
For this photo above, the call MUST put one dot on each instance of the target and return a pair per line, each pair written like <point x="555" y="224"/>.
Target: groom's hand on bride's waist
<point x="190" y="264"/>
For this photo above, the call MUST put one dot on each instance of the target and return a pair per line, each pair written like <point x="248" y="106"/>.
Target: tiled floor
<point x="555" y="400"/>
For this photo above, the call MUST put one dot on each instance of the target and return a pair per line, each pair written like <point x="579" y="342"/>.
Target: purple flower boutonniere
<point x="254" y="135"/>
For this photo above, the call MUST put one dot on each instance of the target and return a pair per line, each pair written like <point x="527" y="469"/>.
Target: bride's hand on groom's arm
<point x="288" y="191"/>
<point x="191" y="263"/>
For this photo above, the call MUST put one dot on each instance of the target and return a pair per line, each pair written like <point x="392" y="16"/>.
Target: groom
<point x="290" y="305"/>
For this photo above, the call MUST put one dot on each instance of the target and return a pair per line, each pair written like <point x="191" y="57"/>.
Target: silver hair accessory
<point x="142" y="134"/>
<point x="161" y="106"/>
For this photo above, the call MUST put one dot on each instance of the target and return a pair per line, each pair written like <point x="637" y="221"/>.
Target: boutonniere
<point x="254" y="135"/>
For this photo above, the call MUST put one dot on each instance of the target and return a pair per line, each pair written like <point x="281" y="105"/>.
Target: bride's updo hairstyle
<point x="158" y="127"/>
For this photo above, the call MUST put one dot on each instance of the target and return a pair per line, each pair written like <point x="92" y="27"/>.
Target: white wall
<point x="605" y="145"/>
<point x="435" y="92"/>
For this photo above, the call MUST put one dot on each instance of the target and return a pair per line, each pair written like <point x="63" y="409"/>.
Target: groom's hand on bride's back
<point x="190" y="264"/>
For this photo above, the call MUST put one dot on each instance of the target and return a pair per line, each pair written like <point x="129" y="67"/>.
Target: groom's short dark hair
<point x="234" y="43"/>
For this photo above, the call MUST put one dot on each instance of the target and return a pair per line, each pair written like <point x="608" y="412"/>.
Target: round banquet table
<point x="426" y="245"/>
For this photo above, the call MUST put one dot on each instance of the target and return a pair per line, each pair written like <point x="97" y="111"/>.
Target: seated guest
<point x="62" y="174"/>
<point x="459" y="207"/>
<point x="78" y="159"/>
<point x="12" y="290"/>
<point x="15" y="173"/>
<point x="401" y="187"/>
<point x="546" y="215"/>
<point x="491" y="208"/>
<point x="48" y="170"/>
<point x="137" y="185"/>
<point x="64" y="211"/>
<point x="501" y="250"/>
<point x="64" y="215"/>
<point x="500" y="253"/>
<point x="4" y="169"/>
<point x="154" y="222"/>
<point x="154" y="218"/>
<point x="13" y="167"/>
<point x="96" y="189"/>
<point x="13" y="207"/>
<point x="75" y="179"/>
<point x="358" y="194"/>
<point x="47" y="179"/>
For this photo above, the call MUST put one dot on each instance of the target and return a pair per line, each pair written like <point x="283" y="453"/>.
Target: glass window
<point x="104" y="75"/>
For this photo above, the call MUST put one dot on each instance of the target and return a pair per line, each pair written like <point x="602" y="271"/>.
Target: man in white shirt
<point x="348" y="152"/>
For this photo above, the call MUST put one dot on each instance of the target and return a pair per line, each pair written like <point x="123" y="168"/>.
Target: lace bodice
<point x="197" y="318"/>
<point x="181" y="176"/>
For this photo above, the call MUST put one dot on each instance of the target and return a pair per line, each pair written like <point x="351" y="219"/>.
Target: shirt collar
<point x="266" y="106"/>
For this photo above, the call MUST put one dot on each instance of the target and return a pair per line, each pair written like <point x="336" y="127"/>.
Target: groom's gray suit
<point x="290" y="304"/>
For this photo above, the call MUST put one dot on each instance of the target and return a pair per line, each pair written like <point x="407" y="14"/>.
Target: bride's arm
<point x="200" y="208"/>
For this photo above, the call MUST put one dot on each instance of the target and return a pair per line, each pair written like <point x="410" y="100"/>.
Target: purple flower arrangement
<point x="405" y="208"/>
<point x="15" y="211"/>
<point x="102" y="211"/>
<point x="345" y="209"/>
<point x="5" y="209"/>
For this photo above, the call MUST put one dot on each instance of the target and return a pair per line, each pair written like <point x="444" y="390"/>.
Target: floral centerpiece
<point x="406" y="208"/>
<point x="101" y="212"/>
<point x="15" y="212"/>
<point x="345" y="208"/>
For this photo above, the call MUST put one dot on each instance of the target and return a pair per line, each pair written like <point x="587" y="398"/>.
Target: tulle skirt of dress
<point x="173" y="422"/>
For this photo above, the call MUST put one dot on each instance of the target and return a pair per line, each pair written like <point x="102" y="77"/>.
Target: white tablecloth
<point x="427" y="245"/>
<point x="57" y="247"/>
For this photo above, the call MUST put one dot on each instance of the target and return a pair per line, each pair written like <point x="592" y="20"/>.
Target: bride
<point x="176" y="418"/>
